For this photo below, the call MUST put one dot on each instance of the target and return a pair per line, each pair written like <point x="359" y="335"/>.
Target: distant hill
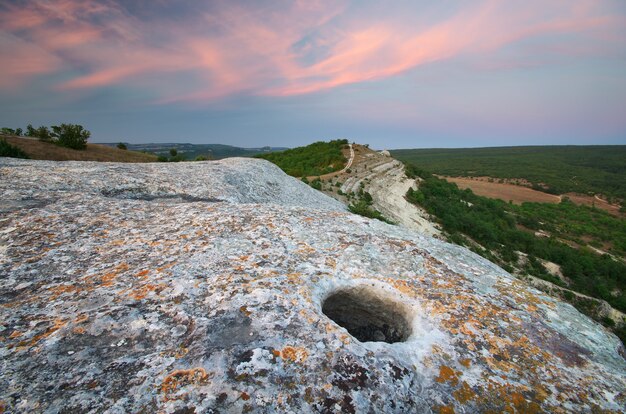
<point x="554" y="169"/>
<point x="191" y="151"/>
<point x="315" y="159"/>
<point x="39" y="150"/>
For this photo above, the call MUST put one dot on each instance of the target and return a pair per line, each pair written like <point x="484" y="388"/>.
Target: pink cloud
<point x="276" y="49"/>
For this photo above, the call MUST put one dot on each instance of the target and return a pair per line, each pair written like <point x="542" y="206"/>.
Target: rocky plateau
<point x="227" y="286"/>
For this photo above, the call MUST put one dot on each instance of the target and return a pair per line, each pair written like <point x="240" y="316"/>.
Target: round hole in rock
<point x="368" y="316"/>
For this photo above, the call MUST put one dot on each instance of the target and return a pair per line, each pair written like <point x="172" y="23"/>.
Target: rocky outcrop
<point x="384" y="178"/>
<point x="230" y="287"/>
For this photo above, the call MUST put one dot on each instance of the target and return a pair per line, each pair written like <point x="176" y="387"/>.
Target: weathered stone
<point x="200" y="286"/>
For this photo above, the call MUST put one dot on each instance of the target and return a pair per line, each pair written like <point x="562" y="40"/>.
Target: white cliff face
<point x="384" y="178"/>
<point x="208" y="286"/>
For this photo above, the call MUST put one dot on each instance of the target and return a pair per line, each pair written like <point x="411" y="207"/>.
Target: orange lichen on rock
<point x="245" y="311"/>
<point x="447" y="374"/>
<point x="464" y="394"/>
<point x="181" y="378"/>
<point x="58" y="324"/>
<point x="294" y="354"/>
<point x="57" y="291"/>
<point x="402" y="286"/>
<point x="446" y="410"/>
<point x="143" y="274"/>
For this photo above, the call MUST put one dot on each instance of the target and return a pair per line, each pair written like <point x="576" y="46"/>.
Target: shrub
<point x="8" y="150"/>
<point x="122" y="146"/>
<point x="71" y="136"/>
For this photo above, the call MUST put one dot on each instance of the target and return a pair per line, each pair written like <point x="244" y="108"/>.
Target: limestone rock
<point x="209" y="286"/>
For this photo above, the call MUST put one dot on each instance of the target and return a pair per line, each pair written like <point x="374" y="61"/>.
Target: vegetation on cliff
<point x="520" y="238"/>
<point x="313" y="160"/>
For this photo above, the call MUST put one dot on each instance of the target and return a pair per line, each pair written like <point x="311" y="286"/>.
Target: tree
<point x="122" y="146"/>
<point x="18" y="132"/>
<point x="30" y="131"/>
<point x="173" y="152"/>
<point x="71" y="136"/>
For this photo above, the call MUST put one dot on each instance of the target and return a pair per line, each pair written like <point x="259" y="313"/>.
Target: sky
<point x="401" y="74"/>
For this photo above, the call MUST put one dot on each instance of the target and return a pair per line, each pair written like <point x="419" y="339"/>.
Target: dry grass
<point x="38" y="150"/>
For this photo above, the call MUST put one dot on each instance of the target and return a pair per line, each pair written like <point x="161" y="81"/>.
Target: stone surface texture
<point x="198" y="287"/>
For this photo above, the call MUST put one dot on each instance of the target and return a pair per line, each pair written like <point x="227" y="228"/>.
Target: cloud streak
<point x="280" y="48"/>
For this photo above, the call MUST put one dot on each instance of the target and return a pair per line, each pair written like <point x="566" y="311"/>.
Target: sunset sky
<point x="394" y="74"/>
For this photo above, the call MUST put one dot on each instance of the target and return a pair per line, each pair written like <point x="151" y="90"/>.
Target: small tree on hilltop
<point x="71" y="136"/>
<point x="122" y="146"/>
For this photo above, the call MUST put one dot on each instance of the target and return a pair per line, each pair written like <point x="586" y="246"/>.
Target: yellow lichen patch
<point x="57" y="291"/>
<point x="143" y="291"/>
<point x="446" y="409"/>
<point x="79" y="330"/>
<point x="294" y="354"/>
<point x="58" y="324"/>
<point x="107" y="279"/>
<point x="143" y="274"/>
<point x="167" y="266"/>
<point x="402" y="286"/>
<point x="81" y="318"/>
<point x="180" y="378"/>
<point x="464" y="394"/>
<point x="181" y="352"/>
<point x="465" y="362"/>
<point x="310" y="317"/>
<point x="293" y="277"/>
<point x="245" y="311"/>
<point x="447" y="374"/>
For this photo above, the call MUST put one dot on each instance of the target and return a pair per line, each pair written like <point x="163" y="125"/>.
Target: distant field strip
<point x="505" y="192"/>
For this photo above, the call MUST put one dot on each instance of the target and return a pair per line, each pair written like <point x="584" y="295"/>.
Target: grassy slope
<point x="581" y="169"/>
<point x="316" y="159"/>
<point x="38" y="150"/>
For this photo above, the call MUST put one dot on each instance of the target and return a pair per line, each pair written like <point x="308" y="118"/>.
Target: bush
<point x="71" y="136"/>
<point x="122" y="146"/>
<point x="8" y="150"/>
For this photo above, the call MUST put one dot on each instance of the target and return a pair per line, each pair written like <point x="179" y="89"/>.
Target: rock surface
<point x="200" y="286"/>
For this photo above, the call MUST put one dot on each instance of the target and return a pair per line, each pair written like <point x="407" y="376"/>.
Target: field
<point x="506" y="192"/>
<point x="38" y="150"/>
<point x="587" y="170"/>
